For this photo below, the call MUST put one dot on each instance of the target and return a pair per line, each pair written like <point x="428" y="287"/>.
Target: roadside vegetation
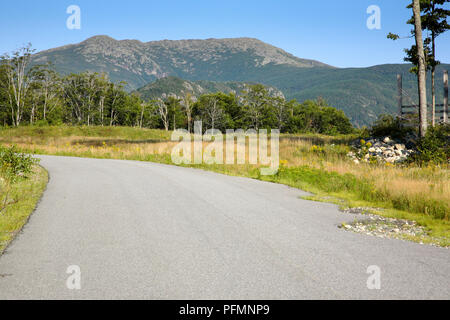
<point x="22" y="182"/>
<point x="312" y="162"/>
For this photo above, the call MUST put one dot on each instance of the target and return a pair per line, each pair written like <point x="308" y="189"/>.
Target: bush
<point x="434" y="147"/>
<point x="317" y="117"/>
<point x="15" y="165"/>
<point x="388" y="126"/>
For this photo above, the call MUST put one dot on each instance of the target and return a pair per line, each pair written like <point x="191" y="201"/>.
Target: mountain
<point x="178" y="87"/>
<point x="139" y="63"/>
<point x="362" y="93"/>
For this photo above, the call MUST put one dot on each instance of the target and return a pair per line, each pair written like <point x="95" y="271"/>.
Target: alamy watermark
<point x="374" y="280"/>
<point x="191" y="150"/>
<point x="74" y="20"/>
<point x="73" y="282"/>
<point x="374" y="20"/>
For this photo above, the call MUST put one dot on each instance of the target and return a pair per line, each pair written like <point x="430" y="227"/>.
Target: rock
<point x="386" y="150"/>
<point x="390" y="160"/>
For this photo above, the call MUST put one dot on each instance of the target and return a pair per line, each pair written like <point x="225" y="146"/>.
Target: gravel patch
<point x="383" y="227"/>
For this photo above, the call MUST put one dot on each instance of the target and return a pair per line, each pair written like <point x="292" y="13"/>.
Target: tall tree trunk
<point x="433" y="80"/>
<point x="142" y="116"/>
<point x="422" y="69"/>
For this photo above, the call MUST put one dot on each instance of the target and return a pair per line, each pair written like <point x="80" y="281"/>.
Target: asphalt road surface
<point x="150" y="231"/>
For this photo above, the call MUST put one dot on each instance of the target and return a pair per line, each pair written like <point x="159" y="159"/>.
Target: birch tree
<point x="281" y="110"/>
<point x="115" y="94"/>
<point x="18" y="80"/>
<point x="254" y="100"/>
<point x="211" y="110"/>
<point x="163" y="112"/>
<point x="422" y="66"/>
<point x="48" y="89"/>
<point x="187" y="103"/>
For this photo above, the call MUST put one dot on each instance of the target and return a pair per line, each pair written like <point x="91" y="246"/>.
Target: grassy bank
<point x="310" y="162"/>
<point x="24" y="197"/>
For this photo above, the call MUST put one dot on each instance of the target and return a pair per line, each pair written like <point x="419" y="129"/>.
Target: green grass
<point x="24" y="198"/>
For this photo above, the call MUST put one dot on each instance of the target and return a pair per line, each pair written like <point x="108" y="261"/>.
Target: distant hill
<point x="173" y="86"/>
<point x="362" y="93"/>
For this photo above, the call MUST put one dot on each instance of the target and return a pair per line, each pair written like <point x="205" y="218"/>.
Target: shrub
<point x="434" y="147"/>
<point x="388" y="126"/>
<point x="15" y="165"/>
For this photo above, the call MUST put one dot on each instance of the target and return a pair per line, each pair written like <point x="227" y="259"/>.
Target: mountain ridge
<point x="142" y="62"/>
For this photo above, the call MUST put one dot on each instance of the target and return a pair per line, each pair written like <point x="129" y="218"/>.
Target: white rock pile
<point x="384" y="150"/>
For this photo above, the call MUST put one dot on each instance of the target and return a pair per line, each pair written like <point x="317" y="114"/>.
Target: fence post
<point x="445" y="118"/>
<point x="399" y="95"/>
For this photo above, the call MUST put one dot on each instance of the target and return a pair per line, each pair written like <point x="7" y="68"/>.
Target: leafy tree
<point x="255" y="101"/>
<point x="317" y="117"/>
<point x="211" y="110"/>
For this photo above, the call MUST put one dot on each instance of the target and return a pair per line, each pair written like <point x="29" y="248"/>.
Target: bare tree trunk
<point x="422" y="70"/>
<point x="188" y="109"/>
<point x="45" y="102"/>
<point x="163" y="113"/>
<point x="433" y="82"/>
<point x="142" y="115"/>
<point x="111" y="120"/>
<point x="102" y="110"/>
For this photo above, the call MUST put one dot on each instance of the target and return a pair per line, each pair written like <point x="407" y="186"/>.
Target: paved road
<point x="150" y="231"/>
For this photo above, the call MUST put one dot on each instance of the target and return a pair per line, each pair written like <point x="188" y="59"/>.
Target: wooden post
<point x="445" y="120"/>
<point x="399" y="95"/>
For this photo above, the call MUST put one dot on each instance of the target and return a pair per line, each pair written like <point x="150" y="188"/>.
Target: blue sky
<point x="330" y="31"/>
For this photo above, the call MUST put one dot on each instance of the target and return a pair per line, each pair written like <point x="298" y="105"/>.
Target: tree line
<point x="37" y="95"/>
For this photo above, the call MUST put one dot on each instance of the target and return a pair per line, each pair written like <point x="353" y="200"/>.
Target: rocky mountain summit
<point x="139" y="63"/>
